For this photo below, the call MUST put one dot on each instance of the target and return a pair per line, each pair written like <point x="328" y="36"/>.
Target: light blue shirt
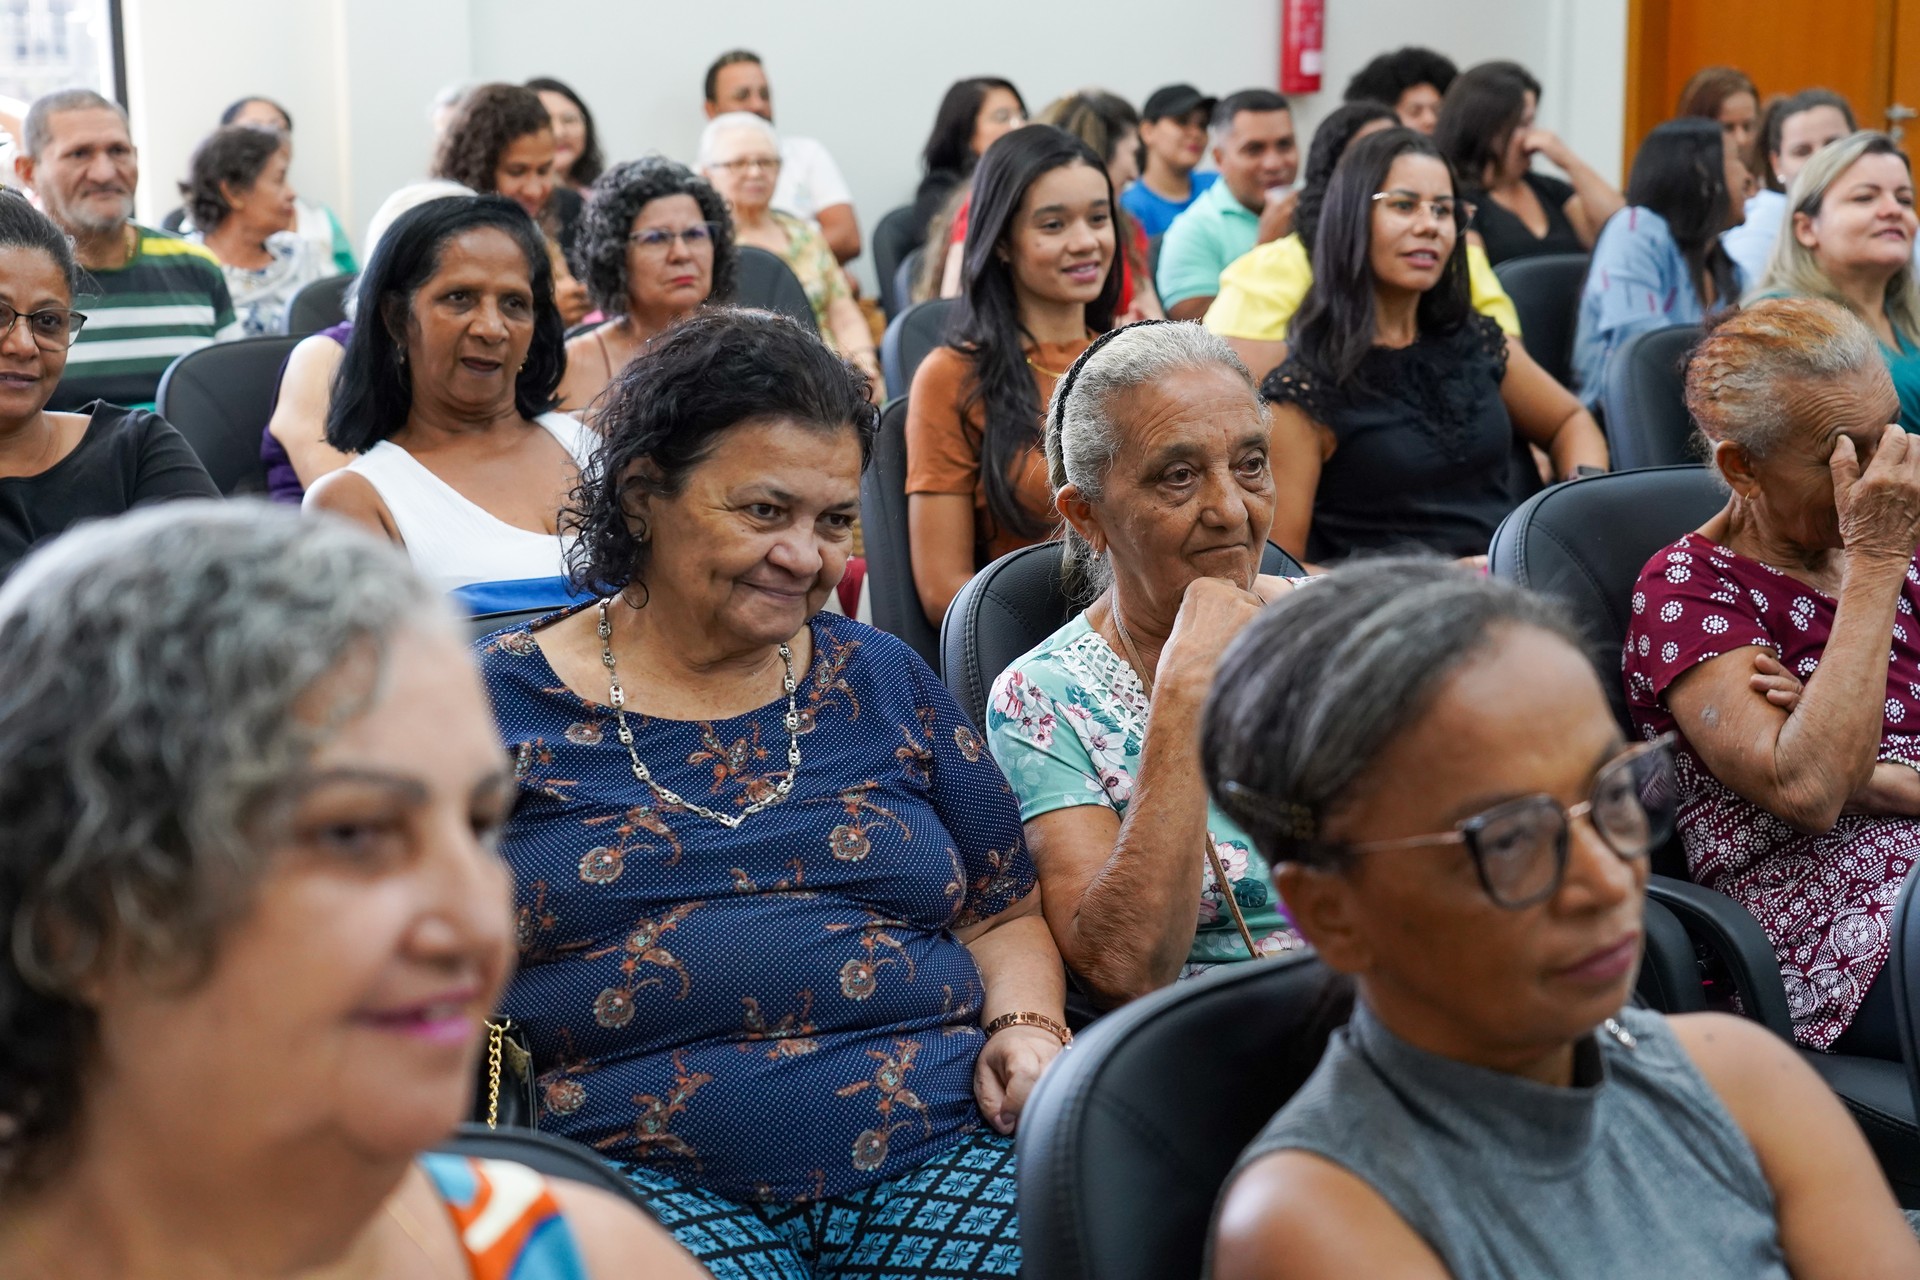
<point x="1153" y="211"/>
<point x="1638" y="281"/>
<point x="1215" y="229"/>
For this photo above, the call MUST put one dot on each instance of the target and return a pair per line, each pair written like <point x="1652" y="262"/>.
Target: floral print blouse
<point x="777" y="1012"/>
<point x="1068" y="723"/>
<point x="1826" y="901"/>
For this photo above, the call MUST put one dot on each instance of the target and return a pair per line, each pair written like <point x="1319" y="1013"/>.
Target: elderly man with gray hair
<point x="1157" y="447"/>
<point x="155" y="296"/>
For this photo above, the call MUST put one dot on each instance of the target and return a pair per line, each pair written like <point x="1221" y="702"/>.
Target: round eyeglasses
<point x="52" y="328"/>
<point x="1519" y="849"/>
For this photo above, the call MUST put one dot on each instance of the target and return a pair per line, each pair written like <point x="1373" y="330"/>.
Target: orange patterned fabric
<point x="509" y="1223"/>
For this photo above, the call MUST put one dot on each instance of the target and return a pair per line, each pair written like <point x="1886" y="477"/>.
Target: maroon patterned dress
<point x="1826" y="901"/>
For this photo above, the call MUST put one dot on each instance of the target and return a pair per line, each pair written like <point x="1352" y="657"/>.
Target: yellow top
<point x="1260" y="291"/>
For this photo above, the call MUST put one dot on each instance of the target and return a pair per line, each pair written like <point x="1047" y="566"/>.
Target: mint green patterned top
<point x="1067" y="723"/>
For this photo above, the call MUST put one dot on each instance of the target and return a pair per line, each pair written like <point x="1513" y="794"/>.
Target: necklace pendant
<point x="1626" y="1039"/>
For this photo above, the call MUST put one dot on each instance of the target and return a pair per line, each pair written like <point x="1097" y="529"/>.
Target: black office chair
<point x="1585" y="544"/>
<point x="1126" y="1141"/>
<point x="894" y="237"/>
<point x="911" y="335"/>
<point x="482" y="625"/>
<point x="1012" y="605"/>
<point x="1546" y="294"/>
<point x="883" y="522"/>
<point x="544" y="1153"/>
<point x="1905" y="964"/>
<point x="320" y="304"/>
<point x="1643" y="402"/>
<point x="903" y="277"/>
<point x="220" y="397"/>
<point x="766" y="282"/>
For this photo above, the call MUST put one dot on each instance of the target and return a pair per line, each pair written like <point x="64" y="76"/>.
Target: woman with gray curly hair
<point x="655" y="243"/>
<point x="251" y="918"/>
<point x="1157" y="448"/>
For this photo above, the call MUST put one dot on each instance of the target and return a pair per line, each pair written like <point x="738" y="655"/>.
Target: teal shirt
<point x="1067" y="724"/>
<point x="1214" y="230"/>
<point x="1903" y="362"/>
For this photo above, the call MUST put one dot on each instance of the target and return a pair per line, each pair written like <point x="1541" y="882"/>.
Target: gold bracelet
<point x="1040" y="1020"/>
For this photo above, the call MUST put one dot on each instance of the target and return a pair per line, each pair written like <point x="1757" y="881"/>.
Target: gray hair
<point x="1082" y="437"/>
<point x="1311" y="692"/>
<point x="1743" y="376"/>
<point x="38" y="126"/>
<point x="710" y="136"/>
<point x="152" y="669"/>
<point x="1792" y="268"/>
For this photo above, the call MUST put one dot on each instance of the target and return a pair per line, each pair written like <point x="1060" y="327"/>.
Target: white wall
<point x="863" y="76"/>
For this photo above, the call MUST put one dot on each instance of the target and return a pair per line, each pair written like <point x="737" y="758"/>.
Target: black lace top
<point x="1423" y="447"/>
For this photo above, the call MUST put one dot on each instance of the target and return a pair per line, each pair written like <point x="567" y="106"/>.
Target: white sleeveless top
<point x="455" y="542"/>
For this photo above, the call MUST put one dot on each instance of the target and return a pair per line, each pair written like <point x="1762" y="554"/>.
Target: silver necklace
<point x="618" y="697"/>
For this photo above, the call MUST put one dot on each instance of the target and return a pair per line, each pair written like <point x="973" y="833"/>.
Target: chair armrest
<point x="1736" y="939"/>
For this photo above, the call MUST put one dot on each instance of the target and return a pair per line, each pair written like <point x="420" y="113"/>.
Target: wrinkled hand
<point x="1211" y="614"/>
<point x="1276" y="219"/>
<point x="1009" y="1066"/>
<point x="1879" y="507"/>
<point x="1780" y="686"/>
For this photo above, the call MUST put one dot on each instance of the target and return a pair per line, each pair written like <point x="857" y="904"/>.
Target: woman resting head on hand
<point x="252" y="916"/>
<point x="1426" y="757"/>
<point x="782" y="959"/>
<point x="1804" y="810"/>
<point x="1157" y="447"/>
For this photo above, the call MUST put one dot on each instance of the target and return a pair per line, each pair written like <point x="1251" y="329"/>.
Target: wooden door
<point x="1904" y="100"/>
<point x="1785" y="45"/>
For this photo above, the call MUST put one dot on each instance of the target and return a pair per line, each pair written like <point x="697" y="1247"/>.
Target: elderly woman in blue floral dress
<point x="782" y="956"/>
<point x="1157" y="446"/>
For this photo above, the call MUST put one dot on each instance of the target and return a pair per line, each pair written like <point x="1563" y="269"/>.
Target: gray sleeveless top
<point x="1509" y="1177"/>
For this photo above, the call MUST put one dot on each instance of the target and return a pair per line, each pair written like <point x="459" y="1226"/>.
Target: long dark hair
<point x="372" y="392"/>
<point x="988" y="328"/>
<point x="1481" y="110"/>
<point x="1334" y="329"/>
<point x="590" y="163"/>
<point x="1680" y="173"/>
<point x="1330" y="142"/>
<point x="949" y="146"/>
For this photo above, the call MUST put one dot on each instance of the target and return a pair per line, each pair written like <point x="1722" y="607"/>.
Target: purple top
<point x="283" y="482"/>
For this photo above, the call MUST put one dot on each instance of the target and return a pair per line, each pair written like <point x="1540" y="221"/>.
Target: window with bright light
<point x="57" y="44"/>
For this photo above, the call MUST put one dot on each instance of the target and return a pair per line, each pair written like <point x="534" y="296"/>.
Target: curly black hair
<point x="599" y="255"/>
<point x="234" y="155"/>
<point x="668" y="410"/>
<point x="490" y="119"/>
<point x="373" y="390"/>
<point x="1392" y="74"/>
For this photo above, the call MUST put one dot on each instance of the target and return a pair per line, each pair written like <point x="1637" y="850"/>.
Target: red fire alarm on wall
<point x="1303" y="29"/>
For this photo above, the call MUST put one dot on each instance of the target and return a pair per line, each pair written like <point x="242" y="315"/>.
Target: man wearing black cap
<point x="1173" y="137"/>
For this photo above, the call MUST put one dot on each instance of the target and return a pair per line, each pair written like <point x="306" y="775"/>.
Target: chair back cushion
<point x="1546" y="295"/>
<point x="1126" y="1141"/>
<point x="894" y="236"/>
<point x="883" y="522"/>
<point x="1643" y="400"/>
<point x="1586" y="542"/>
<point x="1012" y="605"/>
<point x="319" y="305"/>
<point x="220" y="398"/>
<point x="910" y="336"/>
<point x="768" y="283"/>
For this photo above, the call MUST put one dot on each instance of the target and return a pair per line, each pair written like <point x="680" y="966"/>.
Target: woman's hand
<point x="1008" y="1068"/>
<point x="1545" y="142"/>
<point x="1780" y="686"/>
<point x="1211" y="615"/>
<point x="1879" y="507"/>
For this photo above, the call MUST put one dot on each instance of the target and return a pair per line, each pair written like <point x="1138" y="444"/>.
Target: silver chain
<point x="618" y="697"/>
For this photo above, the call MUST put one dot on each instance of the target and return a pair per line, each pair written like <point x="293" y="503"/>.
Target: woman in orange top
<point x="1038" y="288"/>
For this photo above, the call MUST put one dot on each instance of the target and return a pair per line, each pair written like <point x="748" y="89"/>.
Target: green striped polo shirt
<point x="168" y="300"/>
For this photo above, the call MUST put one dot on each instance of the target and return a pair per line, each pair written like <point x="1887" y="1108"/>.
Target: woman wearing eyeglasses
<point x="1803" y="804"/>
<point x="655" y="243"/>
<point x="740" y="155"/>
<point x="1397" y="412"/>
<point x="1457" y="823"/>
<point x="57" y="469"/>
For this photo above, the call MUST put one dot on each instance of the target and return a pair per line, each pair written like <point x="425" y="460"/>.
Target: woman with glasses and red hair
<point x="57" y="469"/>
<point x="1456" y="822"/>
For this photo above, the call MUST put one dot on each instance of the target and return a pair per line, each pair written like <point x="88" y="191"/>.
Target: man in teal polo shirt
<point x="1252" y="203"/>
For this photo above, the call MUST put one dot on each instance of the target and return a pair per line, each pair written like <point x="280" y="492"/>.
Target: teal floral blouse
<point x="1067" y="722"/>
